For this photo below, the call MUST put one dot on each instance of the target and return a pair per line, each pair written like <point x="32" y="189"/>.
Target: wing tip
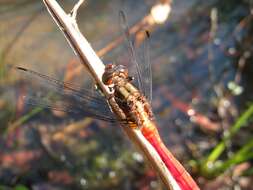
<point x="20" y="68"/>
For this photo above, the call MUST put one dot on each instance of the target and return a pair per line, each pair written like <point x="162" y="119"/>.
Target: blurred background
<point x="201" y="55"/>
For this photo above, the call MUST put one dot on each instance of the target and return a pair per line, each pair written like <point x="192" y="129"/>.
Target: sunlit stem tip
<point x="160" y="13"/>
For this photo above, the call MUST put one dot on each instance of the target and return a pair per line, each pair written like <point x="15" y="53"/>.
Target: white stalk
<point x="67" y="24"/>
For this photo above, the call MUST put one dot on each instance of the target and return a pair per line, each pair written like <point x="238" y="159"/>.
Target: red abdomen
<point x="182" y="177"/>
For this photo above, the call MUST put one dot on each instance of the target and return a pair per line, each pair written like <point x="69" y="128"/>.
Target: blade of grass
<point x="210" y="167"/>
<point x="242" y="155"/>
<point x="2" y="68"/>
<point x="241" y="121"/>
<point x="12" y="127"/>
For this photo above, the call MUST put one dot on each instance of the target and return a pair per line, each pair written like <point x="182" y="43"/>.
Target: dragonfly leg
<point x="116" y="109"/>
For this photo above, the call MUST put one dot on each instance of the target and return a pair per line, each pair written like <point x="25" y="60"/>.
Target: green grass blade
<point x="241" y="121"/>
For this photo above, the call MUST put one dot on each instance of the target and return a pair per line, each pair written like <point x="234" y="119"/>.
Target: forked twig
<point x="67" y="24"/>
<point x="76" y="7"/>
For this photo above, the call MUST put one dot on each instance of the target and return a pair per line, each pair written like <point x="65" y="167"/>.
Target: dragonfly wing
<point x="59" y="86"/>
<point x="68" y="98"/>
<point x="63" y="105"/>
<point x="124" y="25"/>
<point x="142" y="68"/>
<point x="146" y="70"/>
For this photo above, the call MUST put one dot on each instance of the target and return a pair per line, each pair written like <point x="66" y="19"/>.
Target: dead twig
<point x="158" y="15"/>
<point x="88" y="57"/>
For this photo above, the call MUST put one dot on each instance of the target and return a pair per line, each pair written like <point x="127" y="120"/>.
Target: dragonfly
<point x="130" y="102"/>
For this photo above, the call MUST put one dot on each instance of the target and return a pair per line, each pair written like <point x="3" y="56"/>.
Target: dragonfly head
<point x="112" y="72"/>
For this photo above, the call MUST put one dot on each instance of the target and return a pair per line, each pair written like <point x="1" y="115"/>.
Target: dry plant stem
<point x="80" y="45"/>
<point x="76" y="7"/>
<point x="146" y="23"/>
<point x="95" y="66"/>
<point x="64" y="133"/>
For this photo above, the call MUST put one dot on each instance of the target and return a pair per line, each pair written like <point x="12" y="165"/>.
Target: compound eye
<point x="109" y="82"/>
<point x="106" y="78"/>
<point x="108" y="74"/>
<point x="109" y="66"/>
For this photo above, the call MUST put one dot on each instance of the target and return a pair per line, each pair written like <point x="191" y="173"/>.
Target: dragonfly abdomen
<point x="182" y="177"/>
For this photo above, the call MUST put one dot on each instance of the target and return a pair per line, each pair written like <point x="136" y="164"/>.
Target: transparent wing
<point x="146" y="69"/>
<point x="124" y="25"/>
<point x="69" y="106"/>
<point x="59" y="86"/>
<point x="68" y="98"/>
<point x="143" y="68"/>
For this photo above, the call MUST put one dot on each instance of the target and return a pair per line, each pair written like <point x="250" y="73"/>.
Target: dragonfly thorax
<point x="114" y="74"/>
